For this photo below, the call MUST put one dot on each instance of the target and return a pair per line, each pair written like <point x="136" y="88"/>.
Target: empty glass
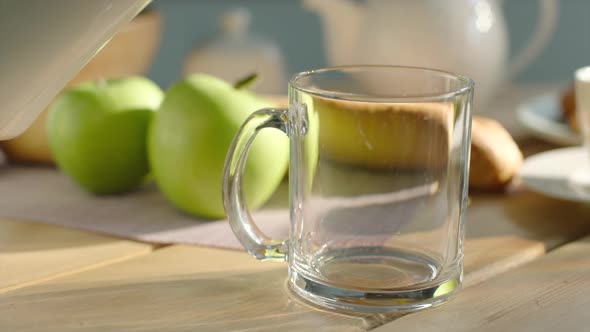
<point x="378" y="182"/>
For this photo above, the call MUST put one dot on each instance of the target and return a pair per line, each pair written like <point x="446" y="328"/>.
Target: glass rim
<point x="467" y="84"/>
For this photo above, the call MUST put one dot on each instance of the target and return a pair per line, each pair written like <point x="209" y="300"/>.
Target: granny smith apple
<point x="97" y="132"/>
<point x="189" y="139"/>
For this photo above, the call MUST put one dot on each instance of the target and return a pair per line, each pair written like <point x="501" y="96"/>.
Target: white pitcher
<point x="464" y="36"/>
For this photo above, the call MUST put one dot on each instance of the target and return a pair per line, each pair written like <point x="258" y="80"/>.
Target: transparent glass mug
<point x="378" y="181"/>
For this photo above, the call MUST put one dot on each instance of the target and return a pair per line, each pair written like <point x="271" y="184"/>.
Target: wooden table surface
<point x="31" y="253"/>
<point x="527" y="267"/>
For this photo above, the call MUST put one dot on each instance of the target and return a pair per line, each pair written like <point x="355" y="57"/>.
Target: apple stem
<point x="246" y="81"/>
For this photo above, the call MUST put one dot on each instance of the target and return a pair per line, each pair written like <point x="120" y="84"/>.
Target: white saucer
<point x="562" y="173"/>
<point x="541" y="116"/>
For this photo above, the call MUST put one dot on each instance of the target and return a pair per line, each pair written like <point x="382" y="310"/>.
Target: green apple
<point x="97" y="133"/>
<point x="189" y="139"/>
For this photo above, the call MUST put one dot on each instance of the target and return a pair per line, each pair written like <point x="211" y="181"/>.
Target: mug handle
<point x="252" y="238"/>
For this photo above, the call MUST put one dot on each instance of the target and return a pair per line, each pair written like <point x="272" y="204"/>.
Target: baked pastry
<point x="412" y="136"/>
<point x="385" y="135"/>
<point x="568" y="108"/>
<point x="32" y="145"/>
<point x="495" y="157"/>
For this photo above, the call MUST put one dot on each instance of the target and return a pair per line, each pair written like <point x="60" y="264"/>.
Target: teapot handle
<point x="546" y="23"/>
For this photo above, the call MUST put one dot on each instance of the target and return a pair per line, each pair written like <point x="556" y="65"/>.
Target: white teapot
<point x="464" y="36"/>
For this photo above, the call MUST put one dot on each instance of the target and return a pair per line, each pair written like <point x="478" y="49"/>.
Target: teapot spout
<point x="341" y="23"/>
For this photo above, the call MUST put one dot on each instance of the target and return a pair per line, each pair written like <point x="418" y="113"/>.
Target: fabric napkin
<point x="43" y="194"/>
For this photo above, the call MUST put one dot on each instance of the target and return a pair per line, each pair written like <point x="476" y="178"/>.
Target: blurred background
<point x="297" y="32"/>
<point x="500" y="44"/>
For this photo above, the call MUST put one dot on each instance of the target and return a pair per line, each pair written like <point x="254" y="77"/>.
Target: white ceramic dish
<point x="561" y="173"/>
<point x="542" y="117"/>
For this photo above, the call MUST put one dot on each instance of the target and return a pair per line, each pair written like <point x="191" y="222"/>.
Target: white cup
<point x="582" y="93"/>
<point x="581" y="177"/>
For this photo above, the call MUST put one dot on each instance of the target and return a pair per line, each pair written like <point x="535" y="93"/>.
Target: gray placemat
<point x="43" y="194"/>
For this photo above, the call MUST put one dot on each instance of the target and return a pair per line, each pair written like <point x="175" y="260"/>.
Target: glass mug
<point x="378" y="177"/>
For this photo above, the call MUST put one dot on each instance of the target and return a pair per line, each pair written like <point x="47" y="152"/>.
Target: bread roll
<point x="568" y="109"/>
<point x="31" y="146"/>
<point x="495" y="157"/>
<point x="385" y="135"/>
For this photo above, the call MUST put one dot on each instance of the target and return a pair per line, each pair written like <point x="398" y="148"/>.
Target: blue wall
<point x="298" y="34"/>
